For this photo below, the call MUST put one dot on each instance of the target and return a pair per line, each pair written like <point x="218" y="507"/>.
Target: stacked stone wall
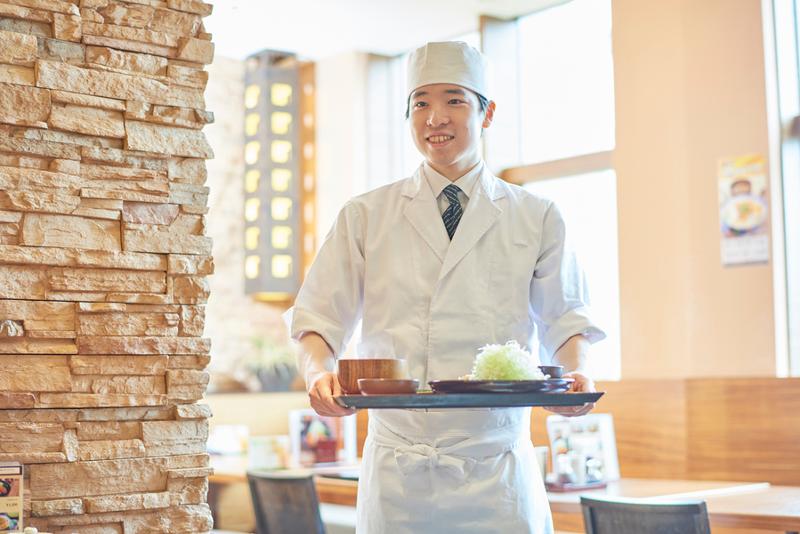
<point x="103" y="262"/>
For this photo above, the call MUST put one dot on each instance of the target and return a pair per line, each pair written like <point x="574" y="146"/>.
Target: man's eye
<point x="419" y="104"/>
<point x="456" y="101"/>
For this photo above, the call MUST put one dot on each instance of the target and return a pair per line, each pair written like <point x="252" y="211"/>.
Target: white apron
<point x="476" y="474"/>
<point x="389" y="262"/>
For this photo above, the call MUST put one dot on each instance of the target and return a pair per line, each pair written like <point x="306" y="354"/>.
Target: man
<point x="436" y="266"/>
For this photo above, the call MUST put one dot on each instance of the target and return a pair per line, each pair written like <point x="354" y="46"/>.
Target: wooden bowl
<point x="350" y="370"/>
<point x="388" y="386"/>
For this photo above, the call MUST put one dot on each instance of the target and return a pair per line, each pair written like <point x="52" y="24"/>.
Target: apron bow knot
<point x="420" y="456"/>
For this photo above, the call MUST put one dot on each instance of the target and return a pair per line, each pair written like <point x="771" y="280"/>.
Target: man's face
<point x="446" y="124"/>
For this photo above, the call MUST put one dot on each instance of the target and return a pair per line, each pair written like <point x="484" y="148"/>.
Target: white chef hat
<point x="449" y="62"/>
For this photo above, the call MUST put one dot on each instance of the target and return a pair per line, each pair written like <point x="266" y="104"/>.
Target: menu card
<point x="10" y="496"/>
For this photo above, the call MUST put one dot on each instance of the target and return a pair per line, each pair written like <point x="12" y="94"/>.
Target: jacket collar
<point x="481" y="213"/>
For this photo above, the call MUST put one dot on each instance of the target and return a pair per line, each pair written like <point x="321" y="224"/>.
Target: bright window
<point x="588" y="203"/>
<point x="783" y="91"/>
<point x="567" y="81"/>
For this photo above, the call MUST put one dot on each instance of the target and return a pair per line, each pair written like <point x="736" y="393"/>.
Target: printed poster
<point x="743" y="210"/>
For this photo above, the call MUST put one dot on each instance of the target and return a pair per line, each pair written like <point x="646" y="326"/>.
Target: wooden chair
<point x="618" y="516"/>
<point x="285" y="502"/>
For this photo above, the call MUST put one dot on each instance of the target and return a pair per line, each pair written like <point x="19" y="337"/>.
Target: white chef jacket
<point x="388" y="261"/>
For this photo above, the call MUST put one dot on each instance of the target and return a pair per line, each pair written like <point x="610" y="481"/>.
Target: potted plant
<point x="273" y="364"/>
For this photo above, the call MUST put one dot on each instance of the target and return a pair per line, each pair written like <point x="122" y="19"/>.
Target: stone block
<point x="39" y="148"/>
<point x="67" y="27"/>
<point x="188" y="195"/>
<point x="188" y="361"/>
<point x="104" y="477"/>
<point x="167" y="140"/>
<point x="165" y="242"/>
<point x="190" y="264"/>
<point x="192" y="320"/>
<point x="109" y="430"/>
<point x="135" y="501"/>
<point x="66" y="166"/>
<point x="18" y="14"/>
<point x="125" y="158"/>
<point x="190" y="289"/>
<point x="61" y="51"/>
<point x="175" y="22"/>
<point x="149" y="413"/>
<point x="12" y="178"/>
<point x="193" y="411"/>
<point x="149" y="213"/>
<point x="10" y="216"/>
<point x="111" y="449"/>
<point x="118" y="365"/>
<point x="86" y="120"/>
<point x="81" y="258"/>
<point x="99" y="102"/>
<point x="137" y="16"/>
<point x="196" y="50"/>
<point x="129" y="324"/>
<point x="127" y="61"/>
<point x="42" y="230"/>
<point x="39" y="201"/>
<point x="68" y="279"/>
<point x="39" y="315"/>
<point x="92" y="400"/>
<point x="53" y="75"/>
<point x="29" y="457"/>
<point x="27" y="436"/>
<point x="142" y="345"/>
<point x="25" y="105"/>
<point x="25" y="373"/>
<point x="129" y="45"/>
<point x="191" y="6"/>
<point x="22" y="282"/>
<point x="56" y="507"/>
<point x="188" y="76"/>
<point x="128" y="33"/>
<point x="56" y="6"/>
<point x="138" y="385"/>
<point x="187" y="490"/>
<point x="18" y="75"/>
<point x="120" y="194"/>
<point x="188" y="170"/>
<point x="13" y="401"/>
<point x="17" y="48"/>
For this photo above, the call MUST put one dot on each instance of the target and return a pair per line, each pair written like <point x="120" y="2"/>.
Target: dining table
<point x="730" y="504"/>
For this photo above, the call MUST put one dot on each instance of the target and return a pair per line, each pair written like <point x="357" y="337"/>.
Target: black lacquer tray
<point x="467" y="400"/>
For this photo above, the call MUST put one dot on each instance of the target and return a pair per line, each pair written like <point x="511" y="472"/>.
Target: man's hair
<point x="483" y="102"/>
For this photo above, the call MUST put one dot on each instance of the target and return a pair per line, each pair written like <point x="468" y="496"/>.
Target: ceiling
<point x="315" y="29"/>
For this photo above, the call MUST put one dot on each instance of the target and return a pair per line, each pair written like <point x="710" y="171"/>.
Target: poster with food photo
<point x="743" y="210"/>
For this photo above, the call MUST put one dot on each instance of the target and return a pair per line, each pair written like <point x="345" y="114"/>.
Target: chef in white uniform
<point x="437" y="265"/>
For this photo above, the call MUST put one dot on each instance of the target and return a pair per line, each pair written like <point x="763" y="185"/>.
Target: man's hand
<point x="582" y="384"/>
<point x="321" y="394"/>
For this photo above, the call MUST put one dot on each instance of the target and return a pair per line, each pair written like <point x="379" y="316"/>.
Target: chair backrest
<point x="285" y="502"/>
<point x="617" y="516"/>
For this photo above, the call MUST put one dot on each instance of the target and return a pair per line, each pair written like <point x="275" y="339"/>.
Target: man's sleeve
<point x="330" y="300"/>
<point x="559" y="294"/>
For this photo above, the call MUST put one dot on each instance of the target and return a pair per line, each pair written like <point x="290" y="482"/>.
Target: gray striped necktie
<point x="452" y="214"/>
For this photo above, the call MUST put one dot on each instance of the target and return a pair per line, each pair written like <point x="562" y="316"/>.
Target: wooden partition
<point x="744" y="429"/>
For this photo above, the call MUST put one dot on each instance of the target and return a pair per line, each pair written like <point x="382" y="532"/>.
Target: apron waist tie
<point x="457" y="459"/>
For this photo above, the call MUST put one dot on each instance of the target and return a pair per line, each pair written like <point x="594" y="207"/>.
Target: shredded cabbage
<point x="506" y="362"/>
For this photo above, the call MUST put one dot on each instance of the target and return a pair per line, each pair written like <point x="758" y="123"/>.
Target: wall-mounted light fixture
<point x="278" y="124"/>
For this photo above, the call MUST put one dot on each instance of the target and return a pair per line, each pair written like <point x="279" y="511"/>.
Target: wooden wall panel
<point x="650" y="424"/>
<point x="745" y="429"/>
